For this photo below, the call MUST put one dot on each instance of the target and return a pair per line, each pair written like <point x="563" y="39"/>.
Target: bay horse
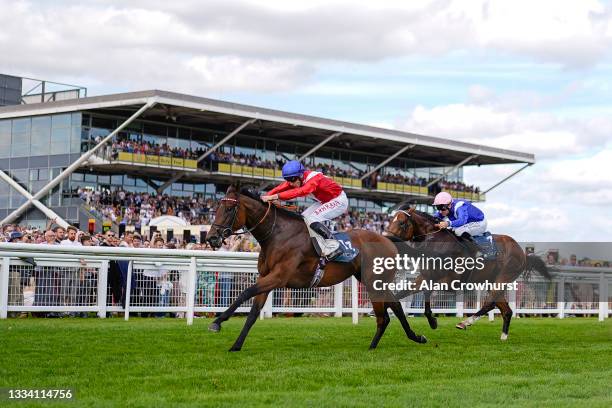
<point x="287" y="258"/>
<point x="410" y="225"/>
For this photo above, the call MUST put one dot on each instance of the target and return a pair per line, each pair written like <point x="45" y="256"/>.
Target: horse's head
<point x="229" y="217"/>
<point x="410" y="225"/>
<point x="401" y="225"/>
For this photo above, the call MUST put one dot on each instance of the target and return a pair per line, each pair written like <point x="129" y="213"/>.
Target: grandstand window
<point x="61" y="121"/>
<point x="102" y="179"/>
<point x="117" y="180"/>
<point x="96" y="132"/>
<point x="60" y="140"/>
<point x="92" y="178"/>
<point x="41" y="135"/>
<point x="129" y="181"/>
<point x="77" y="176"/>
<point x="155" y="129"/>
<point x="5" y="138"/>
<point x="20" y="137"/>
<point x="75" y="140"/>
<point x="104" y="123"/>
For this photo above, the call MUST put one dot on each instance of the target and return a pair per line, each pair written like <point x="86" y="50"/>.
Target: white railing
<point x="59" y="279"/>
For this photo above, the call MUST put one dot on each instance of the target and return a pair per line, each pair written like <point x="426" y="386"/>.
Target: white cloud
<point x="556" y="199"/>
<point x="139" y="42"/>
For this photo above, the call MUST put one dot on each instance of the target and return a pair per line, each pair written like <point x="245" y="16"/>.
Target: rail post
<point x="4" y="287"/>
<point x="338" y="288"/>
<point x="603" y="297"/>
<point x="102" y="288"/>
<point x="128" y="290"/>
<point x="191" y="284"/>
<point x="561" y="298"/>
<point x="354" y="300"/>
<point x="459" y="304"/>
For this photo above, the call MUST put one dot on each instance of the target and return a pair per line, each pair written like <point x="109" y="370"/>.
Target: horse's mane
<point x="254" y="195"/>
<point x="428" y="217"/>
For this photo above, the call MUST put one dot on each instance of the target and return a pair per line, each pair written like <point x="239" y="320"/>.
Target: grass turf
<point x="309" y="362"/>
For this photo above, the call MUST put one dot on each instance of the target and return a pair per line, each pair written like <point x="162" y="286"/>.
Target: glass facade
<point x="33" y="150"/>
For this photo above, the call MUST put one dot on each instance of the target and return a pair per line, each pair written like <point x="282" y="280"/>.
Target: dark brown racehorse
<point x="288" y="259"/>
<point x="419" y="228"/>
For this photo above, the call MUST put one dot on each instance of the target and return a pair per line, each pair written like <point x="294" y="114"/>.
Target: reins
<point x="409" y="216"/>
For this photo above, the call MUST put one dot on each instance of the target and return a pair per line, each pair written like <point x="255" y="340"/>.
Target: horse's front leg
<point x="258" y="304"/>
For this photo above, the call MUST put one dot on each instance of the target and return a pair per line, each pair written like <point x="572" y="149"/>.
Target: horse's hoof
<point x="422" y="339"/>
<point x="214" y="327"/>
<point x="234" y="348"/>
<point x="504" y="337"/>
<point x="433" y="323"/>
<point x="461" y="326"/>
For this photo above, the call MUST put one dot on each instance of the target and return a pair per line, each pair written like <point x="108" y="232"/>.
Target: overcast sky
<point x="531" y="76"/>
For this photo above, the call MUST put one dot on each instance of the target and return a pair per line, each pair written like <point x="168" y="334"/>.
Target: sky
<point x="531" y="76"/>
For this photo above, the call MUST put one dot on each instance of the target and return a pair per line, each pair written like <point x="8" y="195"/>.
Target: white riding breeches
<point x="472" y="228"/>
<point x="319" y="212"/>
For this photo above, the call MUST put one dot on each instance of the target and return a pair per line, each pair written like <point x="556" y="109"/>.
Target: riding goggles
<point x="292" y="179"/>
<point x="442" y="207"/>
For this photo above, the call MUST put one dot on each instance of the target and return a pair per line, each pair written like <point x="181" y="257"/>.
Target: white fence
<point x="40" y="278"/>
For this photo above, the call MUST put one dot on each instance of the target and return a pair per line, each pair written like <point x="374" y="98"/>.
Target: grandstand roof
<point x="285" y="126"/>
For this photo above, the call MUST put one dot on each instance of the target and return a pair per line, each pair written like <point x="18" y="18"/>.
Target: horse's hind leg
<point x="382" y="321"/>
<point x="258" y="303"/>
<point x="506" y="313"/>
<point x="398" y="310"/>
<point x="486" y="308"/>
<point x="488" y="305"/>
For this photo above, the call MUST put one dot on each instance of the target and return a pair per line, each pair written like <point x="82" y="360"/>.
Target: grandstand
<point x="159" y="142"/>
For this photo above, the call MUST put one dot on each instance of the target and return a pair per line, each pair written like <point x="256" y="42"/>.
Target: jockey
<point x="465" y="219"/>
<point x="331" y="203"/>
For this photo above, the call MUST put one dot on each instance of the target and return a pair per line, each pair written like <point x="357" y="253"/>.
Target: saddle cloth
<point x="487" y="245"/>
<point x="348" y="251"/>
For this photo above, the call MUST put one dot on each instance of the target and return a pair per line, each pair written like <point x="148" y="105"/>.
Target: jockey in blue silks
<point x="461" y="216"/>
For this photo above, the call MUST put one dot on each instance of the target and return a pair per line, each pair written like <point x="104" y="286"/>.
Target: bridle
<point x="227" y="231"/>
<point x="404" y="224"/>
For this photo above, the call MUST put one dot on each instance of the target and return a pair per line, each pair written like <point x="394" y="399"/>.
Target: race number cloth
<point x="487" y="245"/>
<point x="348" y="251"/>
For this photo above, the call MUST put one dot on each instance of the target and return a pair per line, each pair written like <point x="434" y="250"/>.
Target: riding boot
<point x="324" y="240"/>
<point x="470" y="245"/>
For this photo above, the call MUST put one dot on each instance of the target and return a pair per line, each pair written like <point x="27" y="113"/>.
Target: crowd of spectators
<point x="139" y="209"/>
<point x="253" y="160"/>
<point x="150" y="148"/>
<point x="77" y="286"/>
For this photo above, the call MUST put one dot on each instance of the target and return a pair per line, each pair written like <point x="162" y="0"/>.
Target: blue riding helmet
<point x="293" y="168"/>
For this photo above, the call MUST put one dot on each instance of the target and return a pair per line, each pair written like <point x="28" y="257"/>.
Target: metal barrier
<point x="77" y="280"/>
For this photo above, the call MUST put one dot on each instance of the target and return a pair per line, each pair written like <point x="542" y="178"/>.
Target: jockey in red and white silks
<point x="331" y="202"/>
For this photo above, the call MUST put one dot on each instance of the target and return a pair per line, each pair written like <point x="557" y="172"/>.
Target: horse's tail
<point x="535" y="263"/>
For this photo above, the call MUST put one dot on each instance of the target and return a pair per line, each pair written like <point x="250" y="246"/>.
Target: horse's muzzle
<point x="215" y="241"/>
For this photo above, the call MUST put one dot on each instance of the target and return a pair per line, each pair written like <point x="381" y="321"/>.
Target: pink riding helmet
<point x="443" y="198"/>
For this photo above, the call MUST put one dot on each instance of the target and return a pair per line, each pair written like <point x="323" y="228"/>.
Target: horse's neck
<point x="267" y="230"/>
<point x="254" y="216"/>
